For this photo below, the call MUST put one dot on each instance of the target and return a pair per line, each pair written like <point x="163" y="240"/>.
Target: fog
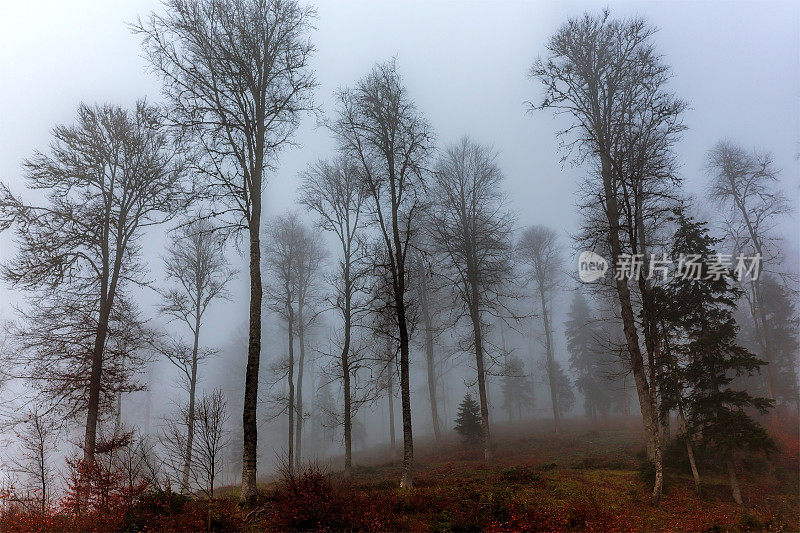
<point x="466" y="67"/>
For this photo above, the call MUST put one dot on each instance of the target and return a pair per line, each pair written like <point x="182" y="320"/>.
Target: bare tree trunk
<point x="478" y="340"/>
<point x="734" y="480"/>
<point x="390" y="398"/>
<point x="290" y="380"/>
<point x="108" y="289"/>
<point x="95" y="381"/>
<point x="646" y="405"/>
<point x="118" y="421"/>
<point x="249" y="424"/>
<point x="405" y="402"/>
<point x="532" y="360"/>
<point x="187" y="461"/>
<point x="406" y="481"/>
<point x="300" y="364"/>
<point x="348" y="415"/>
<point x="758" y="308"/>
<point x="689" y="447"/>
<point x="551" y="370"/>
<point x="429" y="358"/>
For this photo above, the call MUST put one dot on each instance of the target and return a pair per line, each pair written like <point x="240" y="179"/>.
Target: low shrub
<point x="520" y="474"/>
<point x="307" y="500"/>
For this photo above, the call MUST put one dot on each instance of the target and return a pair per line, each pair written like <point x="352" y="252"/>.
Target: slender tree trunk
<point x="300" y="367"/>
<point x="478" y="341"/>
<point x="40" y="456"/>
<point x="118" y="421"/>
<point x="290" y="382"/>
<point x="734" y="480"/>
<point x="249" y="421"/>
<point x="187" y="461"/>
<point x="551" y="365"/>
<point x="390" y="398"/>
<point x="348" y="415"/>
<point x="689" y="447"/>
<point x="532" y="362"/>
<point x="758" y="311"/>
<point x="648" y="409"/>
<point x="431" y="367"/>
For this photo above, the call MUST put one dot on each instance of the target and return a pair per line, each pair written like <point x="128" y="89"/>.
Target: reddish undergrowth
<point x="585" y="479"/>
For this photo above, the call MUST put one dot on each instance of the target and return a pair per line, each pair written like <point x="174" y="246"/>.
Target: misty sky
<point x="465" y="64"/>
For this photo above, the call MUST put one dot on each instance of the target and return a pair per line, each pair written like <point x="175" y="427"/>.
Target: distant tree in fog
<point x="310" y="256"/>
<point x="380" y="127"/>
<point x="136" y="464"/>
<point x="470" y="230"/>
<point x="281" y="264"/>
<point x="237" y="79"/>
<point x="336" y="192"/>
<point x="586" y="357"/>
<point x="107" y="177"/>
<point x="293" y="259"/>
<point x="326" y="416"/>
<point x="517" y="388"/>
<point x="745" y="184"/>
<point x="196" y="264"/>
<point x="784" y="323"/>
<point x="428" y="293"/>
<point x="541" y="256"/>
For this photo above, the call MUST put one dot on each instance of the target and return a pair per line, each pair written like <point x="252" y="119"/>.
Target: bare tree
<point x="37" y="442"/>
<point x="336" y="192"/>
<point x="196" y="264"/>
<point x="280" y="260"/>
<point x="50" y="347"/>
<point x="237" y="78"/>
<point x="293" y="258"/>
<point x="470" y="228"/>
<point x="745" y="185"/>
<point x="212" y="417"/>
<point x="310" y="256"/>
<point x="540" y="252"/>
<point x="172" y="441"/>
<point x="136" y="463"/>
<point x="379" y="126"/>
<point x="607" y="76"/>
<point x="426" y="292"/>
<point x="107" y="178"/>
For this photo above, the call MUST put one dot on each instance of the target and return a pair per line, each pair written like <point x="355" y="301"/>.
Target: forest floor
<point x="589" y="477"/>
<point x="584" y="478"/>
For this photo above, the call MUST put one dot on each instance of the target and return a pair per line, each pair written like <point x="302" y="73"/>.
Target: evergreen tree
<point x="782" y="326"/>
<point x="585" y="357"/>
<point x="468" y="423"/>
<point x="565" y="395"/>
<point x="517" y="387"/>
<point x="702" y="353"/>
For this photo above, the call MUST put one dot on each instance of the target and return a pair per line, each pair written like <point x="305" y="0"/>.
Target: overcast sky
<point x="466" y="65"/>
